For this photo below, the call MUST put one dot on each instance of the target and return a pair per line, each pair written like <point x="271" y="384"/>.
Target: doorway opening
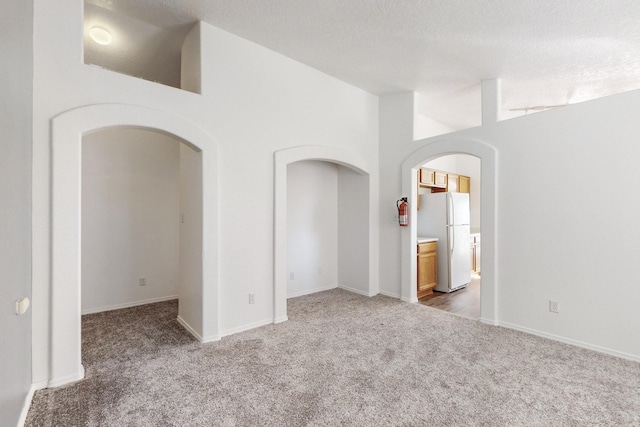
<point x="459" y="173"/>
<point x="131" y="212"/>
<point x="303" y="262"/>
<point x="410" y="169"/>
<point x="197" y="291"/>
<point x="327" y="228"/>
<point x="137" y="207"/>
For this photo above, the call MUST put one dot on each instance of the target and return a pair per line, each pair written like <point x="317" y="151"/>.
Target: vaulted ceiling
<point x="546" y="52"/>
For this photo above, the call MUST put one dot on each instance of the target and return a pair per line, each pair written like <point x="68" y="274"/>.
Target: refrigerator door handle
<point x="451" y="239"/>
<point x="451" y="217"/>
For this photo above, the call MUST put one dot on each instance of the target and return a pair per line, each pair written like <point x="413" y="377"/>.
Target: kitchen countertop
<point x="422" y="239"/>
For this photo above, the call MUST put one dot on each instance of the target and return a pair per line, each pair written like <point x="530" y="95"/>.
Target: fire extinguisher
<point x="403" y="212"/>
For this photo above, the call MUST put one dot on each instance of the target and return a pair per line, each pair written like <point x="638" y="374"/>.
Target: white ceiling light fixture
<point x="100" y="35"/>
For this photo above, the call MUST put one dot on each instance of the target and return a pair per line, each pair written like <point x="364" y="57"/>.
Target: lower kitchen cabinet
<point x="427" y="268"/>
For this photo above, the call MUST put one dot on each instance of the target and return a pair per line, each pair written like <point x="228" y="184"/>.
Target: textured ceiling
<point x="547" y="52"/>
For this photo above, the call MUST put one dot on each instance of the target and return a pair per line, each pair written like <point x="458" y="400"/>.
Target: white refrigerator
<point x="446" y="216"/>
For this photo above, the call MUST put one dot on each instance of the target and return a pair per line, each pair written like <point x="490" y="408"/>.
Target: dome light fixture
<point x="100" y="35"/>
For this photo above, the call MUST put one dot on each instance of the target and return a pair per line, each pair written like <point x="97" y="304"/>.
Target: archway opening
<point x="130" y="218"/>
<point x="410" y="169"/>
<point x="457" y="271"/>
<point x="141" y="233"/>
<point x="327" y="228"/>
<point x="356" y="267"/>
<point x="198" y="295"/>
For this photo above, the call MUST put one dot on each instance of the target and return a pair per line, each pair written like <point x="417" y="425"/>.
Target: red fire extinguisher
<point x="403" y="212"/>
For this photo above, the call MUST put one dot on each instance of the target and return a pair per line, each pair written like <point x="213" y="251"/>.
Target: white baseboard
<point x="57" y="382"/>
<point x="247" y="327"/>
<point x="491" y="322"/>
<point x="27" y="401"/>
<point x="310" y="291"/>
<point x="189" y="328"/>
<point x="129" y="304"/>
<point x="280" y="319"/>
<point x="356" y="291"/>
<point x="599" y="349"/>
<point x="193" y="332"/>
<point x="390" y="294"/>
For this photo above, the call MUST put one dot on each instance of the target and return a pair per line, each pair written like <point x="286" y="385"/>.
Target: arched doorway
<point x="488" y="157"/>
<point x="368" y="237"/>
<point x="67" y="131"/>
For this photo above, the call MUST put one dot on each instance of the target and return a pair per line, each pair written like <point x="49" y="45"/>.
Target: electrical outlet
<point x="143" y="281"/>
<point x="319" y="269"/>
<point x="553" y="306"/>
<point x="252" y="298"/>
<point x="292" y="276"/>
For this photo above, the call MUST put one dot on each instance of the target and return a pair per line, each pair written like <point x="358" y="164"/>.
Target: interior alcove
<point x="141" y="46"/>
<point x="487" y="156"/>
<point x="327" y="228"/>
<point x="357" y="251"/>
<point x="131" y="193"/>
<point x="198" y="308"/>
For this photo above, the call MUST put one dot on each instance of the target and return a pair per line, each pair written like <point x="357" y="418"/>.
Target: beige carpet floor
<point x="341" y="360"/>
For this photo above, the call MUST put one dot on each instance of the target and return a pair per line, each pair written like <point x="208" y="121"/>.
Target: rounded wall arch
<point x="68" y="129"/>
<point x="488" y="156"/>
<point x="282" y="159"/>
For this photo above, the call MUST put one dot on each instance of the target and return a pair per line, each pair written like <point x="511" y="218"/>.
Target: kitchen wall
<point x="253" y="103"/>
<point x="16" y="73"/>
<point x="554" y="239"/>
<point x="312" y="227"/>
<point x="130" y="218"/>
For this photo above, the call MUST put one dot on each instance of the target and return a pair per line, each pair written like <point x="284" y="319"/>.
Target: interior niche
<point x="137" y="46"/>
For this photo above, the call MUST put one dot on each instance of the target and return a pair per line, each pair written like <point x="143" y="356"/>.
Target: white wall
<point x="190" y="66"/>
<point x="312" y="227"/>
<point x="563" y="226"/>
<point x="253" y="103"/>
<point x="353" y="231"/>
<point x="190" y="268"/>
<point x="426" y="127"/>
<point x="15" y="206"/>
<point x="396" y="142"/>
<point x="130" y="218"/>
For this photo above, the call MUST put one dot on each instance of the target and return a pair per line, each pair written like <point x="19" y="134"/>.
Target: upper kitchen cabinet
<point x="452" y="182"/>
<point x="464" y="184"/>
<point x="439" y="181"/>
<point x="426" y="177"/>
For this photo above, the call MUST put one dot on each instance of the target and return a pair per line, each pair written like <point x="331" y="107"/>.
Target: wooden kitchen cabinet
<point x="440" y="179"/>
<point x="475" y="253"/>
<point x="427" y="268"/>
<point x="426" y="177"/>
<point x="464" y="184"/>
<point x="452" y="182"/>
